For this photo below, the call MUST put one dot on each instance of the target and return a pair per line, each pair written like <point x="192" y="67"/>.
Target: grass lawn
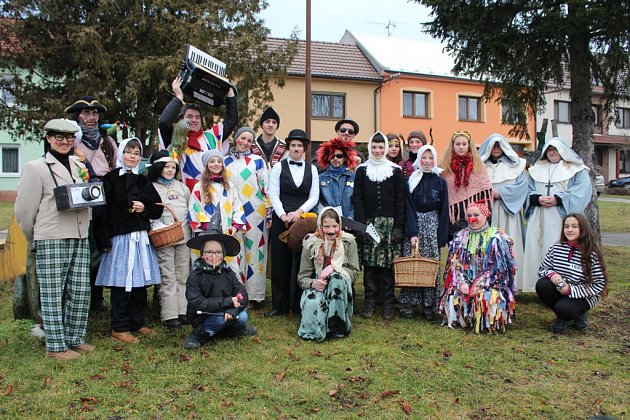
<point x="614" y="216"/>
<point x="383" y="369"/>
<point x="6" y="212"/>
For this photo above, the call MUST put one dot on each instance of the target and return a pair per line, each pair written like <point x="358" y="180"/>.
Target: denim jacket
<point x="336" y="191"/>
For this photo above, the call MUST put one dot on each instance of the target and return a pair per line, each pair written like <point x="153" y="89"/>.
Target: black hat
<point x="270" y="114"/>
<point x="348" y="121"/>
<point x="297" y="134"/>
<point x="85" y="102"/>
<point x="230" y="244"/>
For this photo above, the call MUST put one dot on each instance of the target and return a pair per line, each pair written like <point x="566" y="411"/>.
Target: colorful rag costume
<point x="508" y="176"/>
<point x="247" y="172"/>
<point x="567" y="180"/>
<point x="327" y="313"/>
<point x="479" y="280"/>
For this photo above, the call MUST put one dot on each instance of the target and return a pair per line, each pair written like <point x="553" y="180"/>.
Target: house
<point x="419" y="92"/>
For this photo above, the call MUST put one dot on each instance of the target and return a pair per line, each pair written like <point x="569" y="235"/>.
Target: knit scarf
<point x="193" y="139"/>
<point x="91" y="137"/>
<point x="329" y="252"/>
<point x="462" y="166"/>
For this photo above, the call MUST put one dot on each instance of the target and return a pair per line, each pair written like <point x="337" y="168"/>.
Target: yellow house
<point x="343" y="83"/>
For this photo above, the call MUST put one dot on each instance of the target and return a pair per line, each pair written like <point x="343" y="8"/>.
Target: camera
<point x="76" y="196"/>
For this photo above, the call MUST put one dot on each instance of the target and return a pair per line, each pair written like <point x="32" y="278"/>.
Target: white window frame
<point x="556" y="111"/>
<point x="11" y="146"/>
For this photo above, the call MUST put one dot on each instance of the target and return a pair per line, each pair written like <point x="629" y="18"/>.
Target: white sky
<point x="330" y="18"/>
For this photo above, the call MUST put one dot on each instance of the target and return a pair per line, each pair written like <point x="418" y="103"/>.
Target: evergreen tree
<point x="522" y="48"/>
<point x="125" y="53"/>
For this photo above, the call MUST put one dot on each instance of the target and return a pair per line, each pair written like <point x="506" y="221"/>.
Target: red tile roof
<point x="329" y="59"/>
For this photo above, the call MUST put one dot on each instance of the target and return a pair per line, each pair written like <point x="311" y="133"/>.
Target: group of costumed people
<point x="230" y="195"/>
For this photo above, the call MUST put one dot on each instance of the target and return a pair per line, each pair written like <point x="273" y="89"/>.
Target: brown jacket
<point x="35" y="208"/>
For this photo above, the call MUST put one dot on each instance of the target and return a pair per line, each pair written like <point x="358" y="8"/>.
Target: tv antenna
<point x="390" y="25"/>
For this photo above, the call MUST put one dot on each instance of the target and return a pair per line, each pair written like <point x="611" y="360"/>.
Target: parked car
<point x="620" y="183"/>
<point x="600" y="183"/>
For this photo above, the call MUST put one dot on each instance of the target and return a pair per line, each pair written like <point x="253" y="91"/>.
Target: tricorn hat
<point x="348" y="121"/>
<point x="85" y="102"/>
<point x="297" y="134"/>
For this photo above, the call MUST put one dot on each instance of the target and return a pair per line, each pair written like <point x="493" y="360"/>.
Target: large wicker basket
<point x="167" y="235"/>
<point x="415" y="271"/>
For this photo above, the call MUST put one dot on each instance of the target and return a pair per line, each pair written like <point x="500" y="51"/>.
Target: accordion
<point x="203" y="77"/>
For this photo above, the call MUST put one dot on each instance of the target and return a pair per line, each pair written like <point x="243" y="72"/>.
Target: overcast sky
<point x="330" y="18"/>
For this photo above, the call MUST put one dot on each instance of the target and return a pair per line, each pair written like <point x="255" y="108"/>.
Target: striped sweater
<point x="567" y="261"/>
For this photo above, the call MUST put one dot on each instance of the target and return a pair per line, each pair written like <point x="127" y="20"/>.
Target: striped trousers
<point x="63" y="270"/>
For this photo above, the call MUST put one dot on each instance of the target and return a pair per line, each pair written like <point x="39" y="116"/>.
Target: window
<point x="469" y="108"/>
<point x="328" y="105"/>
<point x="596" y="113"/>
<point x="562" y="111"/>
<point x="415" y="104"/>
<point x="511" y="115"/>
<point x="623" y="118"/>
<point x="6" y="97"/>
<point x="9" y="159"/>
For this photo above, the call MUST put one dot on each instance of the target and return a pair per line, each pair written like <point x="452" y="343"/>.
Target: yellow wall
<point x="443" y="111"/>
<point x="289" y="104"/>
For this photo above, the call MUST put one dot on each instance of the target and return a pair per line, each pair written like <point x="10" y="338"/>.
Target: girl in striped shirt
<point x="572" y="275"/>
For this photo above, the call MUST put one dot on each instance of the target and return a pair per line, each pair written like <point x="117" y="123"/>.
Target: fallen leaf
<point x="271" y="337"/>
<point x="280" y="376"/>
<point x="191" y="415"/>
<point x="277" y="408"/>
<point x="225" y="405"/>
<point x="356" y="379"/>
<point x="317" y="353"/>
<point x="332" y="393"/>
<point x="389" y="393"/>
<point x="406" y="407"/>
<point x="8" y="390"/>
<point x="125" y="367"/>
<point x="90" y="400"/>
<point x="184" y="357"/>
<point x="348" y="369"/>
<point x="438" y="363"/>
<point x="122" y="384"/>
<point x="97" y="377"/>
<point x="47" y="381"/>
<point x="198" y="387"/>
<point x="257" y="340"/>
<point x="598" y="400"/>
<point x="446" y="354"/>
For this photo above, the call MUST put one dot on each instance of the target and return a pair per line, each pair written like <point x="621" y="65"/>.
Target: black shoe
<point x="183" y="319"/>
<point x="368" y="313"/>
<point x="389" y="314"/>
<point x="98" y="305"/>
<point x="406" y="314"/>
<point x="273" y="312"/>
<point x="560" y="326"/>
<point x="173" y="324"/>
<point x="249" y="330"/>
<point x="196" y="338"/>
<point x="427" y="313"/>
<point x="581" y="323"/>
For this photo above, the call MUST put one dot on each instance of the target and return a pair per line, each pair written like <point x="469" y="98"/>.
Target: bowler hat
<point x="61" y="125"/>
<point x="348" y="121"/>
<point x="297" y="134"/>
<point x="85" y="102"/>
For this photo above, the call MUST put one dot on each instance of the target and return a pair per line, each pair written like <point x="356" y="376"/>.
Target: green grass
<point x="6" y="213"/>
<point x="614" y="216"/>
<point x="380" y="370"/>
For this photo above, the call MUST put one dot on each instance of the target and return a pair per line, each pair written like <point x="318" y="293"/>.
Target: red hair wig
<point x="326" y="151"/>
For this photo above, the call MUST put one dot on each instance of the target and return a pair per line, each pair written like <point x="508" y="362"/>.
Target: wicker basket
<point x="167" y="235"/>
<point x="415" y="271"/>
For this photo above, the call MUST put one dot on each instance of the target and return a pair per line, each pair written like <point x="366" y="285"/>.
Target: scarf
<point x="462" y="166"/>
<point x="164" y="181"/>
<point x="217" y="179"/>
<point x="91" y="137"/>
<point x="119" y="161"/>
<point x="200" y="264"/>
<point x="574" y="246"/>
<point x="193" y="139"/>
<point x="337" y="171"/>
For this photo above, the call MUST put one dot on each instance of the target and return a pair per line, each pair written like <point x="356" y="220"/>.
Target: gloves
<point x="397" y="234"/>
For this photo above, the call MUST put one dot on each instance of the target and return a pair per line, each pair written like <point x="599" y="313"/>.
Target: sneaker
<point x="125" y="337"/>
<point x="146" y="331"/>
<point x="560" y="326"/>
<point x="173" y="324"/>
<point x="389" y="314"/>
<point x="85" y="347"/>
<point x="368" y="313"/>
<point x="63" y="355"/>
<point x="581" y="323"/>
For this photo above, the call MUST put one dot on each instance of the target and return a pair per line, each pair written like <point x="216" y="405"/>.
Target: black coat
<point x="114" y="218"/>
<point x="212" y="291"/>
<point x="431" y="194"/>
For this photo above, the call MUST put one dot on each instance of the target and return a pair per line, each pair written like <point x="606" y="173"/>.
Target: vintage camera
<point x="76" y="196"/>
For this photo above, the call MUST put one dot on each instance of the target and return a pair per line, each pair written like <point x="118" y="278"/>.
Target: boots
<point x="427" y="313"/>
<point x="196" y="338"/>
<point x="581" y="323"/>
<point x="560" y="326"/>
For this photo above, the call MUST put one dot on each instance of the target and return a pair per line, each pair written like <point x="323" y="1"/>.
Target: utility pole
<point x="307" y="76"/>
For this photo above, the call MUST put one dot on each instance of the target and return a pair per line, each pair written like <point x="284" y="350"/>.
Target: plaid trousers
<point x="63" y="270"/>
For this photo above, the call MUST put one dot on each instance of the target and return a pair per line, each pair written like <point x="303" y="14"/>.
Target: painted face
<point x="244" y="141"/>
<point x="378" y="150"/>
<point x="296" y="150"/>
<point x="194" y="119"/>
<point x="269" y="127"/>
<point x="497" y="152"/>
<point x="212" y="253"/>
<point x="338" y="159"/>
<point x="415" y="144"/>
<point x="460" y="145"/>
<point x="88" y="118"/>
<point x="330" y="227"/>
<point x="571" y="229"/>
<point x="346" y="132"/>
<point x="475" y="218"/>
<point x="131" y="156"/>
<point x="169" y="170"/>
<point x="61" y="142"/>
<point x="427" y="161"/>
<point x="553" y="155"/>
<point x="394" y="150"/>
<point x="215" y="165"/>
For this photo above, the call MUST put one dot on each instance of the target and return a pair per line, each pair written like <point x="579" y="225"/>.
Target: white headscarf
<point x="485" y="150"/>
<point x="378" y="170"/>
<point x="119" y="157"/>
<point x="570" y="164"/>
<point x="416" y="176"/>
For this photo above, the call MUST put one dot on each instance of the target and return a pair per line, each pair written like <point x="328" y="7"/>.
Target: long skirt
<point x="327" y="313"/>
<point x="428" y="248"/>
<point x="383" y="253"/>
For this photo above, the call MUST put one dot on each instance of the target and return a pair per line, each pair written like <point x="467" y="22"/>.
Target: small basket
<point x="415" y="271"/>
<point x="167" y="235"/>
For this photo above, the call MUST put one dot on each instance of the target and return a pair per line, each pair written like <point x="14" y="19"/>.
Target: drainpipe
<point x="380" y="85"/>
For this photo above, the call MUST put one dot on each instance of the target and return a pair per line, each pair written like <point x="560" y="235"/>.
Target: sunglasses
<point x="338" y="156"/>
<point x="463" y="133"/>
<point x="349" y="130"/>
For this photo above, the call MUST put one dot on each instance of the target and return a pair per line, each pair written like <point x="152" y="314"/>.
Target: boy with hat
<point x="62" y="259"/>
<point x="293" y="190"/>
<point x="267" y="145"/>
<point x="217" y="300"/>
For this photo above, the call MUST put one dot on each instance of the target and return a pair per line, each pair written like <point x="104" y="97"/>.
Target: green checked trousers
<point x="63" y="270"/>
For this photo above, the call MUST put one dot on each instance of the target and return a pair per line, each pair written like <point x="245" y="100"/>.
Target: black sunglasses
<point x="338" y="156"/>
<point x="349" y="130"/>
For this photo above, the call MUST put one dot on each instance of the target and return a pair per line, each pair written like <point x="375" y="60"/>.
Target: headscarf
<point x="378" y="170"/>
<point x="569" y="165"/>
<point x="485" y="150"/>
<point x="119" y="157"/>
<point x="416" y="176"/>
<point x="327" y="251"/>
